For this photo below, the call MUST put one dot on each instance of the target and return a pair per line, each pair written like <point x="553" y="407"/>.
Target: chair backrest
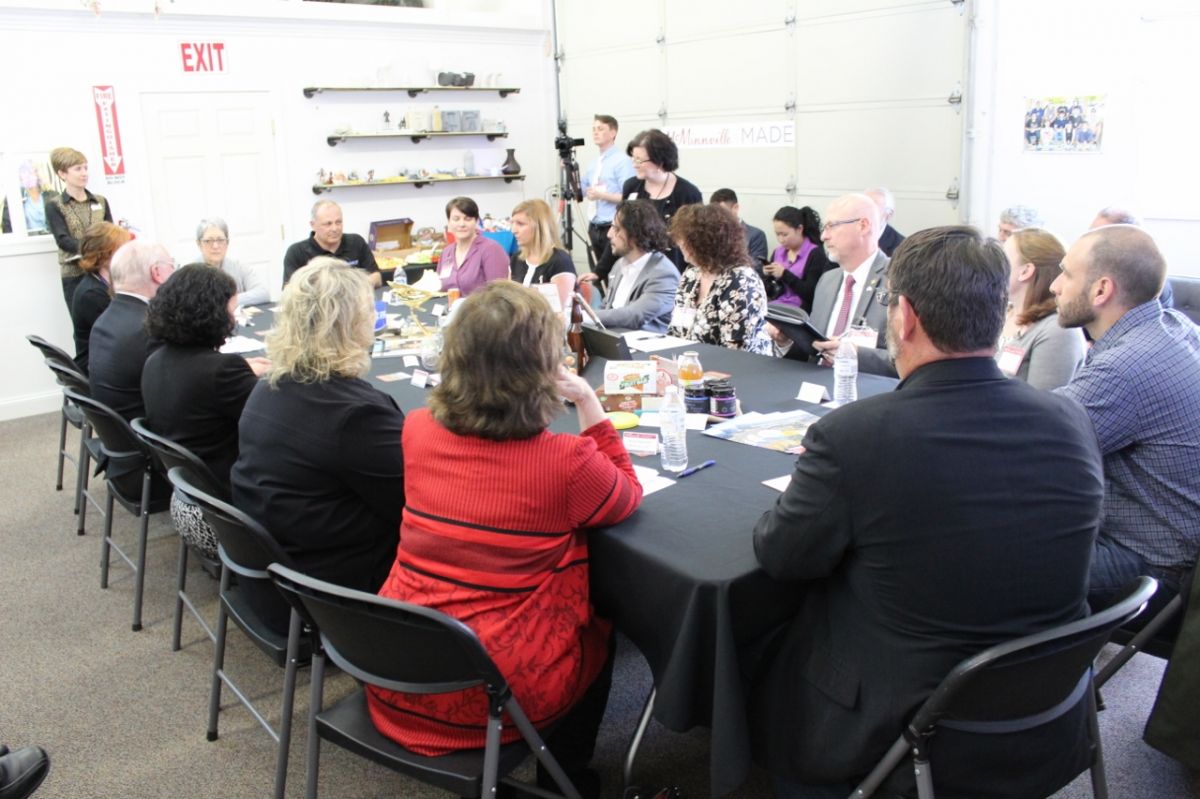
<point x="394" y="645"/>
<point x="246" y="547"/>
<point x="1187" y="296"/>
<point x="117" y="439"/>
<point x="169" y="454"/>
<point x="70" y="377"/>
<point x="1029" y="675"/>
<point x="51" y="352"/>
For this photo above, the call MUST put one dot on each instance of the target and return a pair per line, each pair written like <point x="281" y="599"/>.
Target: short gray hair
<point x="885" y="197"/>
<point x="1021" y="216"/>
<point x="1115" y="215"/>
<point x="317" y="206"/>
<point x="212" y="221"/>
<point x="131" y="263"/>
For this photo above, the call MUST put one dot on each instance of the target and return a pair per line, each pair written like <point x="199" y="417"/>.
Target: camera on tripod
<point x="565" y="144"/>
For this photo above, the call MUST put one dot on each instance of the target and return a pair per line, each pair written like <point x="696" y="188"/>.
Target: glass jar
<point x="690" y="370"/>
<point x="723" y="398"/>
<point x="695" y="398"/>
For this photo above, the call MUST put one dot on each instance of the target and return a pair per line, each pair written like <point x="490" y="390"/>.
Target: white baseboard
<point x="29" y="405"/>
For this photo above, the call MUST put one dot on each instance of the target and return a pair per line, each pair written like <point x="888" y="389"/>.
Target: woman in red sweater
<point x="493" y="528"/>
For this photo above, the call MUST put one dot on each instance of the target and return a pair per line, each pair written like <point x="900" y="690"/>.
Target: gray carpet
<point x="123" y="716"/>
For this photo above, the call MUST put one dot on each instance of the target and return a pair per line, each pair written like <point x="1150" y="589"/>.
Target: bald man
<point x="1140" y="383"/>
<point x="890" y="239"/>
<point x="328" y="238"/>
<point x="1116" y="215"/>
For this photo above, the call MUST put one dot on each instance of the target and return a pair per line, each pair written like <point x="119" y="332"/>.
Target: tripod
<point x="569" y="193"/>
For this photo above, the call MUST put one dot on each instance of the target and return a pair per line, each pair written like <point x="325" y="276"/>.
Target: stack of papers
<point x="782" y="431"/>
<point x="238" y="345"/>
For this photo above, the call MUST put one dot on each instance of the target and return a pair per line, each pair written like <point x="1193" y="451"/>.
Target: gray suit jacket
<point x="651" y="301"/>
<point x="870" y="311"/>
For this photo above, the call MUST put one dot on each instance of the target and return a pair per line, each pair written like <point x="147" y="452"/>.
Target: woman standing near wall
<point x="655" y="159"/>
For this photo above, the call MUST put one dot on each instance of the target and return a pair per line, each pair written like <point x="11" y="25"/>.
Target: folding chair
<point x="118" y="442"/>
<point x="89" y="447"/>
<point x="1015" y="686"/>
<point x="167" y="455"/>
<point x="246" y="549"/>
<point x="58" y="360"/>
<point x="409" y="648"/>
<point x="1157" y="638"/>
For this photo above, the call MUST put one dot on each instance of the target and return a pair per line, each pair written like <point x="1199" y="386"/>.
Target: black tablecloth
<point x="679" y="578"/>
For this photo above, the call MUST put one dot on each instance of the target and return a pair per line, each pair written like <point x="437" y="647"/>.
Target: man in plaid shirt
<point x="1140" y="383"/>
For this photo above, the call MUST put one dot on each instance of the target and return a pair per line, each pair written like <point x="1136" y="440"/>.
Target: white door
<point x="213" y="154"/>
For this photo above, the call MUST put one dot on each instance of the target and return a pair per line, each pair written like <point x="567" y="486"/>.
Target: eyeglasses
<point x="214" y="242"/>
<point x="828" y="226"/>
<point x="639" y="161"/>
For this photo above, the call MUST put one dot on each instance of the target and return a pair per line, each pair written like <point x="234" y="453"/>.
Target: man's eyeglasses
<point x="214" y="242"/>
<point x="828" y="226"/>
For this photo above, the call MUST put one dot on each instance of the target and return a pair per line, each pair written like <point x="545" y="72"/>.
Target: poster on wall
<point x="35" y="183"/>
<point x="105" y="101"/>
<point x="1064" y="123"/>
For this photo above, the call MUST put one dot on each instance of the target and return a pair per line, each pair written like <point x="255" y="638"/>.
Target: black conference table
<point x="679" y="577"/>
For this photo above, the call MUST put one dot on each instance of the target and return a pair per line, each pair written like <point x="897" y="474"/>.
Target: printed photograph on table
<point x="1064" y="123"/>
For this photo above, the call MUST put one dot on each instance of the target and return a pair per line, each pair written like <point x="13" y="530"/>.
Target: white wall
<point x="1140" y="56"/>
<point x="54" y="51"/>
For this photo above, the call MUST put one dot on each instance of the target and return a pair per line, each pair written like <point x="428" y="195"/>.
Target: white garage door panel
<point x="851" y="149"/>
<point x="738" y="169"/>
<point x="911" y="56"/>
<point x="818" y="9"/>
<point x="584" y="27"/>
<point x="595" y="84"/>
<point x="687" y="18"/>
<point x="698" y="81"/>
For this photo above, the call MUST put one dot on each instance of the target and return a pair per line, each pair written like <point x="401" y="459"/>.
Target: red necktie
<point x="844" y="313"/>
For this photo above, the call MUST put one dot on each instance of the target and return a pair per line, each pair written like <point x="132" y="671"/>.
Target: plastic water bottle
<point x="845" y="373"/>
<point x="672" y="422"/>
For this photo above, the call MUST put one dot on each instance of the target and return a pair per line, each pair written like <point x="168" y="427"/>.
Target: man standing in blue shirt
<point x="603" y="181"/>
<point x="1140" y="383"/>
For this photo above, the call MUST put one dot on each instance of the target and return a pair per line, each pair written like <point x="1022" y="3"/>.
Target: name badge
<point x="862" y="336"/>
<point x="1009" y="359"/>
<point x="97" y="207"/>
<point x="351" y="263"/>
<point x="683" y="318"/>
<point x="445" y="273"/>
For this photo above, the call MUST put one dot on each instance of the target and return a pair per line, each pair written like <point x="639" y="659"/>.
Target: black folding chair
<point x="1015" y="686"/>
<point x="255" y="606"/>
<point x="1157" y="638"/>
<point x="119" y="444"/>
<point x="408" y="648"/>
<point x="59" y="362"/>
<point x="167" y="455"/>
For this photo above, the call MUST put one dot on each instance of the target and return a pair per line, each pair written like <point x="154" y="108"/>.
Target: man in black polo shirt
<point x="327" y="239"/>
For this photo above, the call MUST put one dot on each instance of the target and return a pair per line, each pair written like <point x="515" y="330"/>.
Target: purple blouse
<point x="486" y="261"/>
<point x="796" y="267"/>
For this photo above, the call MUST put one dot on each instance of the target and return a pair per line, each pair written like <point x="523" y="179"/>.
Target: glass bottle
<point x="690" y="370"/>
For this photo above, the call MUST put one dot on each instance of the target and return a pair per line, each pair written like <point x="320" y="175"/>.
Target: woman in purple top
<point x="474" y="260"/>
<point x="799" y="260"/>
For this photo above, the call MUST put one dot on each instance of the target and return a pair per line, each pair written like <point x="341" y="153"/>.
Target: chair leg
<point x="636" y="741"/>
<point x="491" y="755"/>
<point x="314" y="739"/>
<point x="180" y="587"/>
<point x="534" y="739"/>
<point x="882" y="770"/>
<point x="139" y="576"/>
<point x="214" y="696"/>
<point x="81" y="467"/>
<point x="106" y="541"/>
<point x="289" y="696"/>
<point x="1099" y="779"/>
<point x="924" y="778"/>
<point x="62" y="446"/>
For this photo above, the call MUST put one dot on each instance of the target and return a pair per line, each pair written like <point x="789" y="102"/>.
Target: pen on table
<point x="694" y="469"/>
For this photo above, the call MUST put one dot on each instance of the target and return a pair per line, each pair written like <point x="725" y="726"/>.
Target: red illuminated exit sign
<point x="203" y="56"/>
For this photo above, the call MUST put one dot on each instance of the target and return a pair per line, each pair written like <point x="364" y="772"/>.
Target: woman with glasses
<point x="655" y="159"/>
<point x="720" y="299"/>
<point x="212" y="237"/>
<point x="799" y="260"/>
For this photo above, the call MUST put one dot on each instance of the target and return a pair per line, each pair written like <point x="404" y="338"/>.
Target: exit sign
<point x="203" y="56"/>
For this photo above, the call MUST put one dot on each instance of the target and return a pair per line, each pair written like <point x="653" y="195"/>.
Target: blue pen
<point x="694" y="469"/>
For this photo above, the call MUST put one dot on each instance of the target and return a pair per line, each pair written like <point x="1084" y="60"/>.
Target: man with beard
<point x="641" y="292"/>
<point x="910" y="526"/>
<point x="1140" y="383"/>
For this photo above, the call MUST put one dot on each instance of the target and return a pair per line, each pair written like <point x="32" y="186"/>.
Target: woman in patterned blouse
<point x="720" y="300"/>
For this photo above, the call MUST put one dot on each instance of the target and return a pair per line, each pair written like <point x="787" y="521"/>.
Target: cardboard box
<point x="389" y="235"/>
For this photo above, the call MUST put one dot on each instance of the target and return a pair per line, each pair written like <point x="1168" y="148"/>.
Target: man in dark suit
<point x="927" y="524"/>
<point x="756" y="239"/>
<point x="890" y="239"/>
<point x="118" y="344"/>
<point x="641" y="292"/>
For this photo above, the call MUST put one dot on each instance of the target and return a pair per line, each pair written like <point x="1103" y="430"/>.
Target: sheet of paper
<point x="694" y="421"/>
<point x="236" y="345"/>
<point x="411" y="361"/>
<point x="660" y="344"/>
<point x="780" y="484"/>
<point x="651" y="480"/>
<point x="812" y="392"/>
<point x="394" y="376"/>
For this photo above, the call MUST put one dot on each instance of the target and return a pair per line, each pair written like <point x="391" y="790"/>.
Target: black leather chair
<point x="405" y="647"/>
<point x="167" y="455"/>
<point x="1187" y="296"/>
<point x="1015" y="686"/>
<point x="119" y="445"/>
<point x="60" y="363"/>
<point x="255" y="606"/>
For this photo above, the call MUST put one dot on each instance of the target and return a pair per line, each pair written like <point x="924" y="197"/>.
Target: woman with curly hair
<point x="799" y="260"/>
<point x="720" y="299"/>
<point x="193" y="393"/>
<point x="94" y="290"/>
<point x="319" y="461"/>
<point x="655" y="159"/>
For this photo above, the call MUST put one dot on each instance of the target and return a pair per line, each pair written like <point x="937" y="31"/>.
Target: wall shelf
<point x="413" y="91"/>
<point x="337" y="138"/>
<point x="321" y="188"/>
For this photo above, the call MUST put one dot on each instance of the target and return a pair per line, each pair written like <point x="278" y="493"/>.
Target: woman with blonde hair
<point x="1033" y="346"/>
<point x="493" y="533"/>
<point x="93" y="292"/>
<point x="541" y="257"/>
<point x="319" y="462"/>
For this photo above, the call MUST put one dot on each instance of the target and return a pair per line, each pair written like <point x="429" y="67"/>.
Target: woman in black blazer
<point x="93" y="292"/>
<point x="193" y="393"/>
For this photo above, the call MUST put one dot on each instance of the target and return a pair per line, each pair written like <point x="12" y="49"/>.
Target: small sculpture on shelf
<point x="510" y="165"/>
<point x="370" y="176"/>
<point x="353" y="176"/>
<point x="387" y="121"/>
